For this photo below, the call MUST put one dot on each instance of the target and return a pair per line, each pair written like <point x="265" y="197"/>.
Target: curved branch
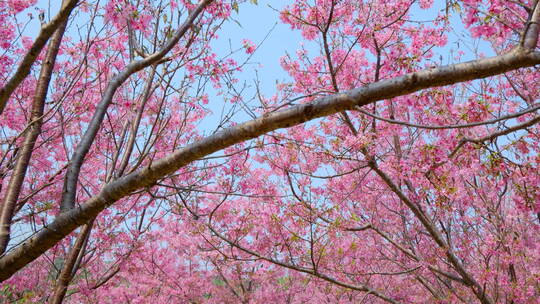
<point x="493" y="136"/>
<point x="468" y="279"/>
<point x="312" y="272"/>
<point x="530" y="38"/>
<point x="72" y="175"/>
<point x="24" y="68"/>
<point x="455" y="126"/>
<point x="65" y="223"/>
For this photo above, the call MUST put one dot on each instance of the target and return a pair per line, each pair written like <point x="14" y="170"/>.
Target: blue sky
<point x="260" y="23"/>
<point x="255" y="22"/>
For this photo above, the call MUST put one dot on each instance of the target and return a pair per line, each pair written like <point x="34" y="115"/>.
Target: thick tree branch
<point x="493" y="136"/>
<point x="24" y="68"/>
<point x="69" y="267"/>
<point x="532" y="28"/>
<point x="72" y="175"/>
<point x="9" y="203"/>
<point x="385" y="89"/>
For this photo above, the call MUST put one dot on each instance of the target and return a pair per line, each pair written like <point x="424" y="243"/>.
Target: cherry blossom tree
<point x="378" y="172"/>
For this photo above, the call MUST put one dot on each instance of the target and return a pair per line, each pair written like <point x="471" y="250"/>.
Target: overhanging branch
<point x="64" y="224"/>
<point x="30" y="57"/>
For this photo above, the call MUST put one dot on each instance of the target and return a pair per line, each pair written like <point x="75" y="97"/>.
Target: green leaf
<point x="218" y="282"/>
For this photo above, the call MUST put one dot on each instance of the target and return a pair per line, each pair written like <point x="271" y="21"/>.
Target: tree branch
<point x="535" y="108"/>
<point x="493" y="136"/>
<point x="24" y="68"/>
<point x="65" y="223"/>
<point x="9" y="203"/>
<point x="312" y="272"/>
<point x="72" y="175"/>
<point x="532" y="28"/>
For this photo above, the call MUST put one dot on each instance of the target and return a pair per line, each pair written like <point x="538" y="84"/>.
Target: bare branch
<point x="67" y="272"/>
